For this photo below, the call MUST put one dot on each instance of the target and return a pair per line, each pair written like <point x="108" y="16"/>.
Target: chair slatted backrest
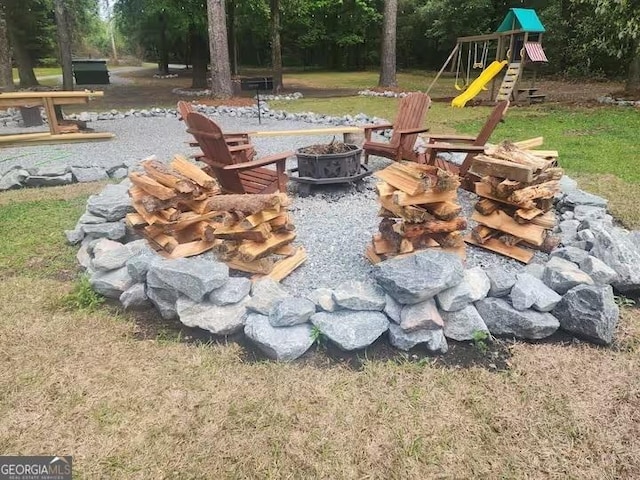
<point x="411" y="113"/>
<point x="184" y="109"/>
<point x="485" y="133"/>
<point x="215" y="149"/>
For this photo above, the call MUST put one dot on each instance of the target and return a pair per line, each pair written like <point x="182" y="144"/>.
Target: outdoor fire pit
<point x="335" y="162"/>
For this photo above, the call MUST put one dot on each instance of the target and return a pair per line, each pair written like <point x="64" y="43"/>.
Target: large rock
<point x="110" y="230"/>
<point x="617" y="249"/>
<point x="433" y="340"/>
<point x="113" y="203"/>
<point x="234" y="290"/>
<point x="111" y="284"/>
<point x="89" y="218"/>
<point x="89" y="174"/>
<point x="278" y="343"/>
<point x="110" y="255"/>
<point x="224" y="320"/>
<point x="580" y="197"/>
<point x="138" y="265"/>
<point x="355" y="295"/>
<point x="535" y="270"/>
<point x="291" y="311"/>
<point x="419" y="277"/>
<point x="14" y="178"/>
<point x="193" y="277"/>
<point x="162" y="296"/>
<point x="42" y="181"/>
<point x="135" y="297"/>
<point x="562" y="275"/>
<point x="590" y="312"/>
<point x="392" y="308"/>
<point x="588" y="212"/>
<point x="530" y="291"/>
<point x="474" y="286"/>
<point x="599" y="271"/>
<point x="502" y="319"/>
<point x="265" y="294"/>
<point x="74" y="236"/>
<point x="462" y="325"/>
<point x="54" y="170"/>
<point x="351" y="330"/>
<point x="420" y="316"/>
<point x="572" y="254"/>
<point x="323" y="298"/>
<point x="500" y="280"/>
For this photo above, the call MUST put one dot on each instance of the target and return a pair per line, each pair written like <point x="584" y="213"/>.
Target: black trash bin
<point x="31" y="116"/>
<point x="91" y="72"/>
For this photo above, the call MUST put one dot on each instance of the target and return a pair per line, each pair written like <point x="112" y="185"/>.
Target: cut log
<point x="483" y="165"/>
<point x="548" y="220"/>
<point x="481" y="234"/>
<point x="371" y="255"/>
<point x="384" y="189"/>
<point x="259" y="233"/>
<point x="382" y="246"/>
<point x="260" y="217"/>
<point x="434" y="226"/>
<point x="544" y="190"/>
<point x="152" y="187"/>
<point x="167" y="242"/>
<point x="193" y="172"/>
<point x="501" y="221"/>
<point x="134" y="220"/>
<point x="402" y="199"/>
<point x="192" y="248"/>
<point x="168" y="177"/>
<point x="524" y="216"/>
<point x="406" y="246"/>
<point x="189" y="218"/>
<point x="282" y="223"/>
<point x="285" y="250"/>
<point x="170" y="214"/>
<point x="486" y="206"/>
<point x="401" y="181"/>
<point x="484" y="190"/>
<point x="509" y="240"/>
<point x="250" y="250"/>
<point x="287" y="265"/>
<point x="495" y="245"/>
<point x="389" y="234"/>
<point x="511" y="153"/>
<point x="150" y="218"/>
<point x="444" y="210"/>
<point x="529" y="143"/>
<point x="246" y="204"/>
<point x="409" y="213"/>
<point x="449" y="240"/>
<point x="261" y="265"/>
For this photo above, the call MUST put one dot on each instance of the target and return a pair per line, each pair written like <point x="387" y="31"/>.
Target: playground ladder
<point x="509" y="82"/>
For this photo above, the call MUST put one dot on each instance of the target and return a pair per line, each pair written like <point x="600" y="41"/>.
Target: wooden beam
<point x="497" y="246"/>
<point x="483" y="165"/>
<point x="402" y="199"/>
<point x="499" y="220"/>
<point x="285" y="266"/>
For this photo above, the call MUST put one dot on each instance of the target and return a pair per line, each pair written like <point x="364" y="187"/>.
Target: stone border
<point x="423" y="299"/>
<point x="386" y="93"/>
<point x="163" y="77"/>
<point x="620" y="102"/>
<point x="56" y="175"/>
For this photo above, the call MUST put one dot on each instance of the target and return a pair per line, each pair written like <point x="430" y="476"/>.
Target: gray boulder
<point x="590" y="312"/>
<point x="91" y="218"/>
<point x="419" y="277"/>
<point x="283" y="344"/>
<point x="461" y="325"/>
<point x="580" y="197"/>
<point x="74" y="236"/>
<point x="218" y="320"/>
<point x="572" y="254"/>
<point x="500" y="281"/>
<point x="119" y="173"/>
<point x="110" y="230"/>
<point x="617" y="249"/>
<point x="530" y="291"/>
<point x="355" y="295"/>
<point x="110" y="255"/>
<point x="599" y="271"/>
<point x="135" y="298"/>
<point x="392" y="308"/>
<point x="323" y="298"/>
<point x="502" y="319"/>
<point x="193" y="277"/>
<point x="351" y="330"/>
<point x="474" y="286"/>
<point x="14" y="178"/>
<point x="233" y="291"/>
<point x="138" y="264"/>
<point x="588" y="212"/>
<point x="56" y="170"/>
<point x="291" y="311"/>
<point x="567" y="184"/>
<point x="83" y="257"/>
<point x="265" y="293"/>
<point x="562" y="275"/>
<point x="535" y="270"/>
<point x="41" y="181"/>
<point x="162" y="296"/>
<point x="113" y="203"/>
<point x="89" y="174"/>
<point x="433" y="340"/>
<point x="111" y="284"/>
<point x="420" y="316"/>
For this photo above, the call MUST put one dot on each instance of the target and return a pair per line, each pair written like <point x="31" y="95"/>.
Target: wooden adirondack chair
<point x="228" y="162"/>
<point x="406" y="127"/>
<point x="463" y="143"/>
<point x="185" y="108"/>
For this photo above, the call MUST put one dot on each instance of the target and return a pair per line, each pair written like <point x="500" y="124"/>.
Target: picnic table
<point x="59" y="130"/>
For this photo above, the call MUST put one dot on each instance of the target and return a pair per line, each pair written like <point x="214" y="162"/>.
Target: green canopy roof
<point x="521" y="19"/>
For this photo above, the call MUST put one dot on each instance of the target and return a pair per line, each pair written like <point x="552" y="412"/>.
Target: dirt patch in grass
<point x="623" y="196"/>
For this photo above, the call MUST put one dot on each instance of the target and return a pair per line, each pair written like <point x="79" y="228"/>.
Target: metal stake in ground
<point x="257" y="84"/>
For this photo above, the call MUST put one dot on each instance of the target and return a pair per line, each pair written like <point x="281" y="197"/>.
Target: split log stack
<point x="517" y="188"/>
<point x="180" y="210"/>
<point x="419" y="209"/>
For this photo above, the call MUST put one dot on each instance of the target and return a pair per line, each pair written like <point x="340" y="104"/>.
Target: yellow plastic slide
<point x="478" y="84"/>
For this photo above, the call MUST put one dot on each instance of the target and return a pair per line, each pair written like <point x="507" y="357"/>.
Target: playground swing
<point x="483" y="55"/>
<point x="465" y="84"/>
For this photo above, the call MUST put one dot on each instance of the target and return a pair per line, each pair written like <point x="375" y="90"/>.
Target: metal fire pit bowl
<point x="327" y="168"/>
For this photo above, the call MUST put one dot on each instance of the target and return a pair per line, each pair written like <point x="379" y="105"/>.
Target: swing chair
<point x="465" y="84"/>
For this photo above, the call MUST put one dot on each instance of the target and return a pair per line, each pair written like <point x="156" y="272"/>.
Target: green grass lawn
<point x="40" y="72"/>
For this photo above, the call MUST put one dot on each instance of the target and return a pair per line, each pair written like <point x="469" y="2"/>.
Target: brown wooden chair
<point x="228" y="163"/>
<point x="406" y="127"/>
<point x="470" y="145"/>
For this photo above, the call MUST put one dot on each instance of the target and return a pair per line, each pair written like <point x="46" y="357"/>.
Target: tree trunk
<point x="64" y="43"/>
<point x="199" y="60"/>
<point x="276" y="48"/>
<point x="633" y="78"/>
<point x="220" y="69"/>
<point x="233" y="41"/>
<point x="24" y="61"/>
<point x="388" y="54"/>
<point x="112" y="33"/>
<point x="6" y="74"/>
<point x="163" y="53"/>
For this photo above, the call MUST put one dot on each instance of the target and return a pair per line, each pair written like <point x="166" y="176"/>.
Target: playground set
<point x="516" y="44"/>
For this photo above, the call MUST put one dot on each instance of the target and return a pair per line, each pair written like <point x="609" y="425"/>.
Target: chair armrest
<point x="410" y="131"/>
<point x="453" y="137"/>
<point x="236" y="134"/>
<point x="448" y="147"/>
<point x="239" y="148"/>
<point x="278" y="157"/>
<point x="379" y="126"/>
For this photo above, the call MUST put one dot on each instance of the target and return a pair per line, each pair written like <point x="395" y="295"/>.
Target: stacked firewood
<point x="517" y="188"/>
<point x="180" y="211"/>
<point x="419" y="210"/>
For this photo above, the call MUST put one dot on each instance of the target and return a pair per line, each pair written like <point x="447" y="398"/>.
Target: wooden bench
<point x="58" y="130"/>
